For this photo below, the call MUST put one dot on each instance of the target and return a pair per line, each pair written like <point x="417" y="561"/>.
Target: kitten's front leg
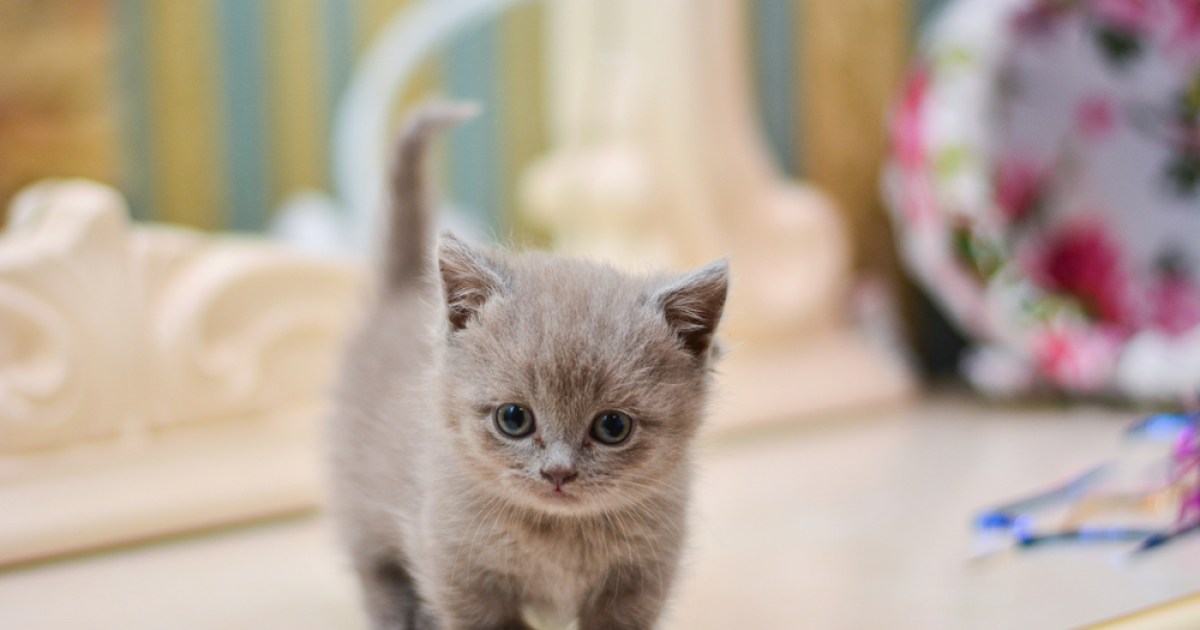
<point x="391" y="600"/>
<point x="480" y="602"/>
<point x="631" y="599"/>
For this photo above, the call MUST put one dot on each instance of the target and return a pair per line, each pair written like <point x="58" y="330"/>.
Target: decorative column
<point x="657" y="162"/>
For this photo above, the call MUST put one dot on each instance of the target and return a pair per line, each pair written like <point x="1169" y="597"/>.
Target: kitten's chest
<point x="556" y="565"/>
<point x="558" y="576"/>
<point x="557" y="561"/>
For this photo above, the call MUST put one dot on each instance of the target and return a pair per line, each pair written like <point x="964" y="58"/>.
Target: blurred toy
<point x="1185" y="477"/>
<point x="1148" y="496"/>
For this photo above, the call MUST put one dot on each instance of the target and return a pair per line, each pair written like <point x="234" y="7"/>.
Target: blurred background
<point x="216" y="114"/>
<point x="963" y="236"/>
<point x="212" y="113"/>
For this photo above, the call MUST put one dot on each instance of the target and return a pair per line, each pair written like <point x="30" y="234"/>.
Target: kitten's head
<point x="570" y="386"/>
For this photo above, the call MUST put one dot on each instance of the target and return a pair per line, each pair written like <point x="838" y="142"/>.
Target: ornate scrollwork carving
<point x="109" y="329"/>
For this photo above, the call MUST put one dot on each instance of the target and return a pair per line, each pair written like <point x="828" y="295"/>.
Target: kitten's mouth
<point x="559" y="493"/>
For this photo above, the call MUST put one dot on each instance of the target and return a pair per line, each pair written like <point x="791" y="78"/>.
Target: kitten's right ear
<point x="468" y="280"/>
<point x="693" y="306"/>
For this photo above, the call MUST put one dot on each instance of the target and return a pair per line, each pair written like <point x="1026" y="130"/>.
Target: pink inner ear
<point x="694" y="305"/>
<point x="468" y="280"/>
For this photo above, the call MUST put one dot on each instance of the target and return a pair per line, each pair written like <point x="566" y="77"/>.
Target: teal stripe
<point x="471" y="69"/>
<point x="926" y="11"/>
<point x="137" y="160"/>
<point x="776" y="75"/>
<point x="243" y="65"/>
<point x="338" y="35"/>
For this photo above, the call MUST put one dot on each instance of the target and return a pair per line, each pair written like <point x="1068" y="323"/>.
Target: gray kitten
<point x="512" y="432"/>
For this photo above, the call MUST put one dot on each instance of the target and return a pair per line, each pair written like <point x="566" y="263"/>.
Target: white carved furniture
<point x="153" y="379"/>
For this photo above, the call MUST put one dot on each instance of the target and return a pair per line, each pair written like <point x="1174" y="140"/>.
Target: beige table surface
<point x="854" y="522"/>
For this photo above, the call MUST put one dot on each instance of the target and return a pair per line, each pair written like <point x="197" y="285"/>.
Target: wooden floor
<point x="853" y="522"/>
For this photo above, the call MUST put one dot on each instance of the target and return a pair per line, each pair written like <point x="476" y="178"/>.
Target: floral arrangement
<point x="1045" y="181"/>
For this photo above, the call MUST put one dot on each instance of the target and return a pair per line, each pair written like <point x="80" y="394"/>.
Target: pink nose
<point x="559" y="475"/>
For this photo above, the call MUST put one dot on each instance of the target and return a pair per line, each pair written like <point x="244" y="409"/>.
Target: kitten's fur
<point x="450" y="523"/>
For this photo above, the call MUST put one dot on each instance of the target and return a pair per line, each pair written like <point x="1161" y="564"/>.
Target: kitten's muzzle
<point x="559" y="475"/>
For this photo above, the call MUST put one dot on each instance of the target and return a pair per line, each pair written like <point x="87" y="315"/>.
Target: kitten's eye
<point x="514" y="420"/>
<point x="611" y="427"/>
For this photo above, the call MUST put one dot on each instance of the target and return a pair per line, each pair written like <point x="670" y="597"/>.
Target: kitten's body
<point x="453" y="524"/>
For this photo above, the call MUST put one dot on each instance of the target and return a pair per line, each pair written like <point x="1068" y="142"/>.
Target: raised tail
<point x="407" y="252"/>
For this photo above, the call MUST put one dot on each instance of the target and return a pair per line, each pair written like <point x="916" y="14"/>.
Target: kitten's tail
<point x="408" y="253"/>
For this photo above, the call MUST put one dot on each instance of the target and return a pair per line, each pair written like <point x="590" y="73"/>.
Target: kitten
<point x="512" y="432"/>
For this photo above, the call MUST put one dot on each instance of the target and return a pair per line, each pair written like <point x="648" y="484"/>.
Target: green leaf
<point x="1184" y="173"/>
<point x="1119" y="46"/>
<point x="950" y="160"/>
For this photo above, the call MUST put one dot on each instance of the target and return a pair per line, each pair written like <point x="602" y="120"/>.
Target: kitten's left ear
<point x="693" y="305"/>
<point x="469" y="280"/>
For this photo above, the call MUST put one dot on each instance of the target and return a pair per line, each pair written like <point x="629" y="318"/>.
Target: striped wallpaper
<point x="226" y="104"/>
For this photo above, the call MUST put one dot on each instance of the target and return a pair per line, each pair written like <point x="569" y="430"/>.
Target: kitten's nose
<point x="559" y="475"/>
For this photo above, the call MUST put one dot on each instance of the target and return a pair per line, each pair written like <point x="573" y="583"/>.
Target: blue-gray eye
<point x="514" y="420"/>
<point x="611" y="427"/>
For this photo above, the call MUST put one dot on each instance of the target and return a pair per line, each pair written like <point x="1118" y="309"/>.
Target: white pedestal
<point x="834" y="374"/>
<point x="98" y="495"/>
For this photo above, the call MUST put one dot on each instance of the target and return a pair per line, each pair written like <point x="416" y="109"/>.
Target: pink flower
<point x="1186" y="37"/>
<point x="1040" y="17"/>
<point x="1076" y="359"/>
<point x="907" y="129"/>
<point x="1175" y="305"/>
<point x="1083" y="261"/>
<point x="1020" y="184"/>
<point x="1129" y="15"/>
<point x="909" y="146"/>
<point x="1096" y="117"/>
